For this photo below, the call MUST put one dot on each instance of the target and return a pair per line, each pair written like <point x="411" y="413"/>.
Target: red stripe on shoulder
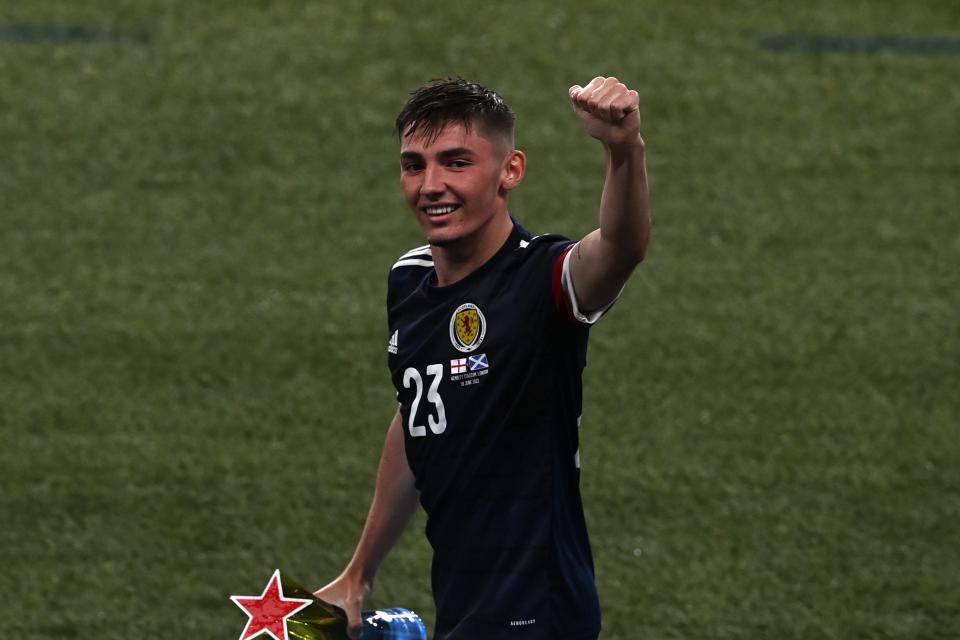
<point x="560" y="299"/>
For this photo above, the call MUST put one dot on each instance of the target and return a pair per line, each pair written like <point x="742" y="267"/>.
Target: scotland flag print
<point x="478" y="362"/>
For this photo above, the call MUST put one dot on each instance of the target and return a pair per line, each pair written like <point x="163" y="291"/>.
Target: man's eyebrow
<point x="456" y="152"/>
<point x="446" y="154"/>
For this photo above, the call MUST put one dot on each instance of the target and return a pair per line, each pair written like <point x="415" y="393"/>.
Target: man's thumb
<point x="354" y="623"/>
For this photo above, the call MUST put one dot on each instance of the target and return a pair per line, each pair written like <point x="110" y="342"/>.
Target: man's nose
<point x="432" y="181"/>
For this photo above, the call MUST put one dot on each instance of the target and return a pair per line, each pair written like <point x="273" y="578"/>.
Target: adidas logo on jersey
<point x="392" y="345"/>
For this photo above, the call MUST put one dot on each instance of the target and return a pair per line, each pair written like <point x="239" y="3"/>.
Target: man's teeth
<point x="436" y="211"/>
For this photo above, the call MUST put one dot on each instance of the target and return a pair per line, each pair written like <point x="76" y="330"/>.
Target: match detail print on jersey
<point x="467" y="327"/>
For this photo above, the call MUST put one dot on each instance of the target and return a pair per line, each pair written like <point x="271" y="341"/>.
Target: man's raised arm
<point x="394" y="503"/>
<point x="605" y="258"/>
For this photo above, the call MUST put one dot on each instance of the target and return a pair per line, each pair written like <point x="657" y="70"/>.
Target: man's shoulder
<point x="545" y="240"/>
<point x="546" y="246"/>
<point x="408" y="272"/>
<point x="419" y="258"/>
<point x="539" y="241"/>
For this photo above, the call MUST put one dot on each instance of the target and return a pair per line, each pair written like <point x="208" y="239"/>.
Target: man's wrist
<point x="359" y="575"/>
<point x="633" y="146"/>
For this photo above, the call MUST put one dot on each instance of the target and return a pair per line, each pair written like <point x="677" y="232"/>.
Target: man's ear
<point x="514" y="168"/>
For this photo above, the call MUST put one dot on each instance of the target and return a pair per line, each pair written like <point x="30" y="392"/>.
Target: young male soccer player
<point x="488" y="335"/>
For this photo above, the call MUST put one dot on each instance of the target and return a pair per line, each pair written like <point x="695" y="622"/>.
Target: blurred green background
<point x="199" y="204"/>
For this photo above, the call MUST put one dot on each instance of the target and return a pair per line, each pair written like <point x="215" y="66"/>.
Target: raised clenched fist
<point x="609" y="110"/>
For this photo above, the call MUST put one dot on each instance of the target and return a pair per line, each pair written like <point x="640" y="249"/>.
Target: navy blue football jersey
<point x="488" y="377"/>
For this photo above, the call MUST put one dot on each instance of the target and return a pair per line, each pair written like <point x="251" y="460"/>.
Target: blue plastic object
<point x="392" y="624"/>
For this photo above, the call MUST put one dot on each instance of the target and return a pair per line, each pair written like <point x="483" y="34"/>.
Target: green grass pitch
<point x="199" y="204"/>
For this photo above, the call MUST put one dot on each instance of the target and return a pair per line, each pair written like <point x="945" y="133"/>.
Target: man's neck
<point x="456" y="261"/>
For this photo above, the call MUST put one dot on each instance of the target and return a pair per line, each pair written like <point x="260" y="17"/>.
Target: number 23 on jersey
<point x="437" y="420"/>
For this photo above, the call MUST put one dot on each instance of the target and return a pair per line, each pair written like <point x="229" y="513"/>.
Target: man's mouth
<point x="441" y="209"/>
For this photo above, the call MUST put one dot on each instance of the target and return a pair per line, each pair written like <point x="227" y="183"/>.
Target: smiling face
<point x="456" y="184"/>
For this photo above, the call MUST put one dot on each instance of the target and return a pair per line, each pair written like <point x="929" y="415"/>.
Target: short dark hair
<point x="439" y="102"/>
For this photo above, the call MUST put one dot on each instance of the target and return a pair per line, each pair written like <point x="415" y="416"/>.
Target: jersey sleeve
<point x="564" y="295"/>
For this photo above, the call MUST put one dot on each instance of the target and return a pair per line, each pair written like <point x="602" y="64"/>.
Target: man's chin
<point x="442" y="242"/>
<point x="443" y="238"/>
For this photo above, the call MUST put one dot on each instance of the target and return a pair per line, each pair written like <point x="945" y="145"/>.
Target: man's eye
<point x="411" y="167"/>
<point x="459" y="164"/>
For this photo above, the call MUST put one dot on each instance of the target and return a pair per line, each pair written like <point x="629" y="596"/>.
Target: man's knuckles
<point x="605" y="98"/>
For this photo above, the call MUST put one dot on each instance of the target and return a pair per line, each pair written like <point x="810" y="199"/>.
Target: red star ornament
<point x="269" y="611"/>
